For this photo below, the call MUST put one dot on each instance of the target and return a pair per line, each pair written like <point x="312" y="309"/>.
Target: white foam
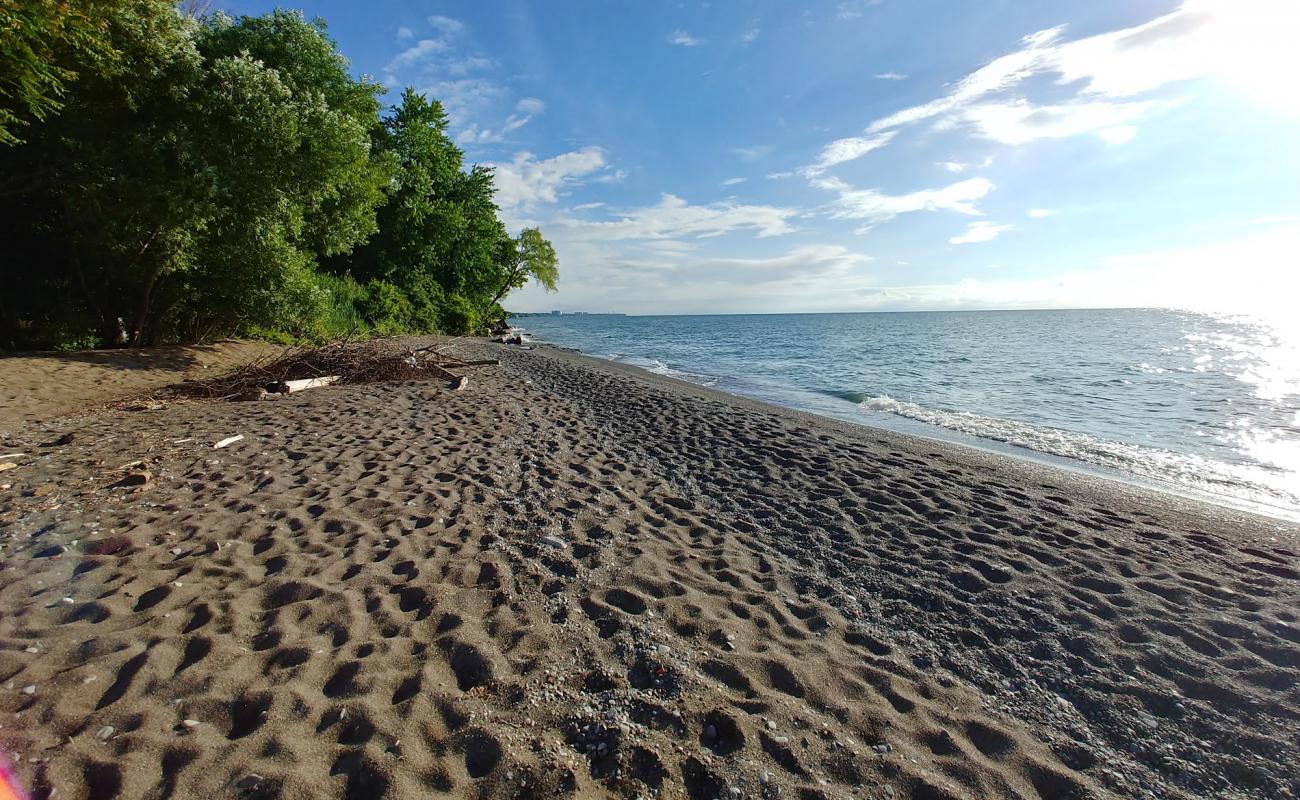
<point x="1196" y="472"/>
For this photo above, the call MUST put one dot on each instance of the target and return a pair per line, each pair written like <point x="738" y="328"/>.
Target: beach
<point x="576" y="578"/>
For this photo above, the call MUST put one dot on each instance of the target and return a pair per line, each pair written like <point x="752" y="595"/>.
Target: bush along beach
<point x="166" y="178"/>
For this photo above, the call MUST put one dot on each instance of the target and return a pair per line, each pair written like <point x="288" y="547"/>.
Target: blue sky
<point x="756" y="155"/>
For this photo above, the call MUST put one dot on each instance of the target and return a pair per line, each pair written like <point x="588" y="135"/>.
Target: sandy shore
<point x="578" y="579"/>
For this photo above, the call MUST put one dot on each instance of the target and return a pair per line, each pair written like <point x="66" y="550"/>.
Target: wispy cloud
<point x="842" y="150"/>
<point x="675" y="218"/>
<point x="404" y="33"/>
<point x="853" y="9"/>
<point x="1020" y="122"/>
<point x="750" y="34"/>
<point x="1103" y="72"/>
<point x="1040" y="213"/>
<point x="446" y="25"/>
<point x="415" y="54"/>
<point x="891" y="76"/>
<point x="684" y="39"/>
<point x="525" y="111"/>
<point x="526" y="182"/>
<point x="754" y="152"/>
<point x="980" y="231"/>
<point x="734" y="181"/>
<point x="877" y="206"/>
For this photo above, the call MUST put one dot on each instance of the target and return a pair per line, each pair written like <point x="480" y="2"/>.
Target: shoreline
<point x="992" y="447"/>
<point x="579" y="578"/>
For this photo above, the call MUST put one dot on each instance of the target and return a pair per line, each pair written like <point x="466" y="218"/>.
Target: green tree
<point x="528" y="256"/>
<point x="440" y="227"/>
<point x="44" y="45"/>
<point x="193" y="193"/>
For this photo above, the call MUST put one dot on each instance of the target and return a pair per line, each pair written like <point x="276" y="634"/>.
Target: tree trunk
<point x="146" y="294"/>
<point x="505" y="287"/>
<point x="142" y="311"/>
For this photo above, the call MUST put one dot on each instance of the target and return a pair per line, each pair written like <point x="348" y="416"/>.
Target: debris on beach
<point x="342" y="362"/>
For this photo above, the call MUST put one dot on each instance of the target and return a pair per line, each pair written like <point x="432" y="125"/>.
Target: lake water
<point x="1207" y="405"/>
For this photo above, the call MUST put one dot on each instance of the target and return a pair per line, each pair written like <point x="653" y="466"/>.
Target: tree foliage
<point x="231" y="176"/>
<point x="44" y="45"/>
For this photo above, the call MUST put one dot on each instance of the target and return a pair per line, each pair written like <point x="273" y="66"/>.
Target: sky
<point x="768" y="156"/>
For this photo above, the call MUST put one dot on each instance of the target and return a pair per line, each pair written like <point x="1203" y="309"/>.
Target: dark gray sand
<point x="578" y="579"/>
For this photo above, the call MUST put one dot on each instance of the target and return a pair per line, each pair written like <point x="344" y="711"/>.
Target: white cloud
<point x="673" y="218"/>
<point x="530" y="105"/>
<point x="809" y="262"/>
<point x="587" y="206"/>
<point x="525" y="111"/>
<point x="891" y="76"/>
<point x="853" y="9"/>
<point x="405" y="33"/>
<point x="669" y="276"/>
<point x="684" y="39"/>
<point x="613" y="176"/>
<point x="446" y="25"/>
<point x="753" y="153"/>
<point x="750" y="34"/>
<point x="842" y="150"/>
<point x="980" y="231"/>
<point x="1040" y="213"/>
<point x="1249" y="43"/>
<point x="1190" y="278"/>
<point x="1118" y="134"/>
<point x="1019" y="122"/>
<point x="876" y="206"/>
<point x="525" y="182"/>
<point x="734" y="181"/>
<point x="952" y="166"/>
<point x="420" y="51"/>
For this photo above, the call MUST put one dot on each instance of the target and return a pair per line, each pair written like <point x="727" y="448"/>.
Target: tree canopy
<point x="179" y="179"/>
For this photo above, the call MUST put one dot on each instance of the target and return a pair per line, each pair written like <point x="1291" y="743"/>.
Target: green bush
<point x="458" y="315"/>
<point x="386" y="309"/>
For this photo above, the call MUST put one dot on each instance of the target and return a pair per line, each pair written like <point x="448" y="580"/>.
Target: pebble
<point x="765" y="777"/>
<point x="105" y="733"/>
<point x="29" y="689"/>
<point x="190" y="723"/>
<point x="771" y="724"/>
<point x="552" y="541"/>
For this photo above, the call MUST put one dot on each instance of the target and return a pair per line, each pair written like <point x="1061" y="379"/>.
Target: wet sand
<point x="578" y="579"/>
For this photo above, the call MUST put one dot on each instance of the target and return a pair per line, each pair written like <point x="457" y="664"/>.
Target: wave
<point x="660" y="368"/>
<point x="1203" y="474"/>
<point x="844" y="394"/>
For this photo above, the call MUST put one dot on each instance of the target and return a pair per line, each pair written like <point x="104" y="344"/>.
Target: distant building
<point x="556" y="313"/>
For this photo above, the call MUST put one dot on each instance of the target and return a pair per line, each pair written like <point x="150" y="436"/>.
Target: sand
<point x="36" y="386"/>
<point x="576" y="579"/>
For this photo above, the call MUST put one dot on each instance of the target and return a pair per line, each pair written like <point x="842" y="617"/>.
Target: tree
<point x="528" y="256"/>
<point x="45" y="45"/>
<point x="223" y="175"/>
<point x="193" y="192"/>
<point x="439" y="229"/>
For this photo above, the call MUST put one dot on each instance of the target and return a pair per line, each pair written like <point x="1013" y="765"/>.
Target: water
<point x="1200" y="404"/>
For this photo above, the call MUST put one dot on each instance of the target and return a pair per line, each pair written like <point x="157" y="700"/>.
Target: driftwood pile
<point x="341" y="362"/>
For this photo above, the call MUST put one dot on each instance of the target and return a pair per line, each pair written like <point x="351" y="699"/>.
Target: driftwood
<point x="487" y="362"/>
<point x="342" y="362"/>
<point x="310" y="383"/>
